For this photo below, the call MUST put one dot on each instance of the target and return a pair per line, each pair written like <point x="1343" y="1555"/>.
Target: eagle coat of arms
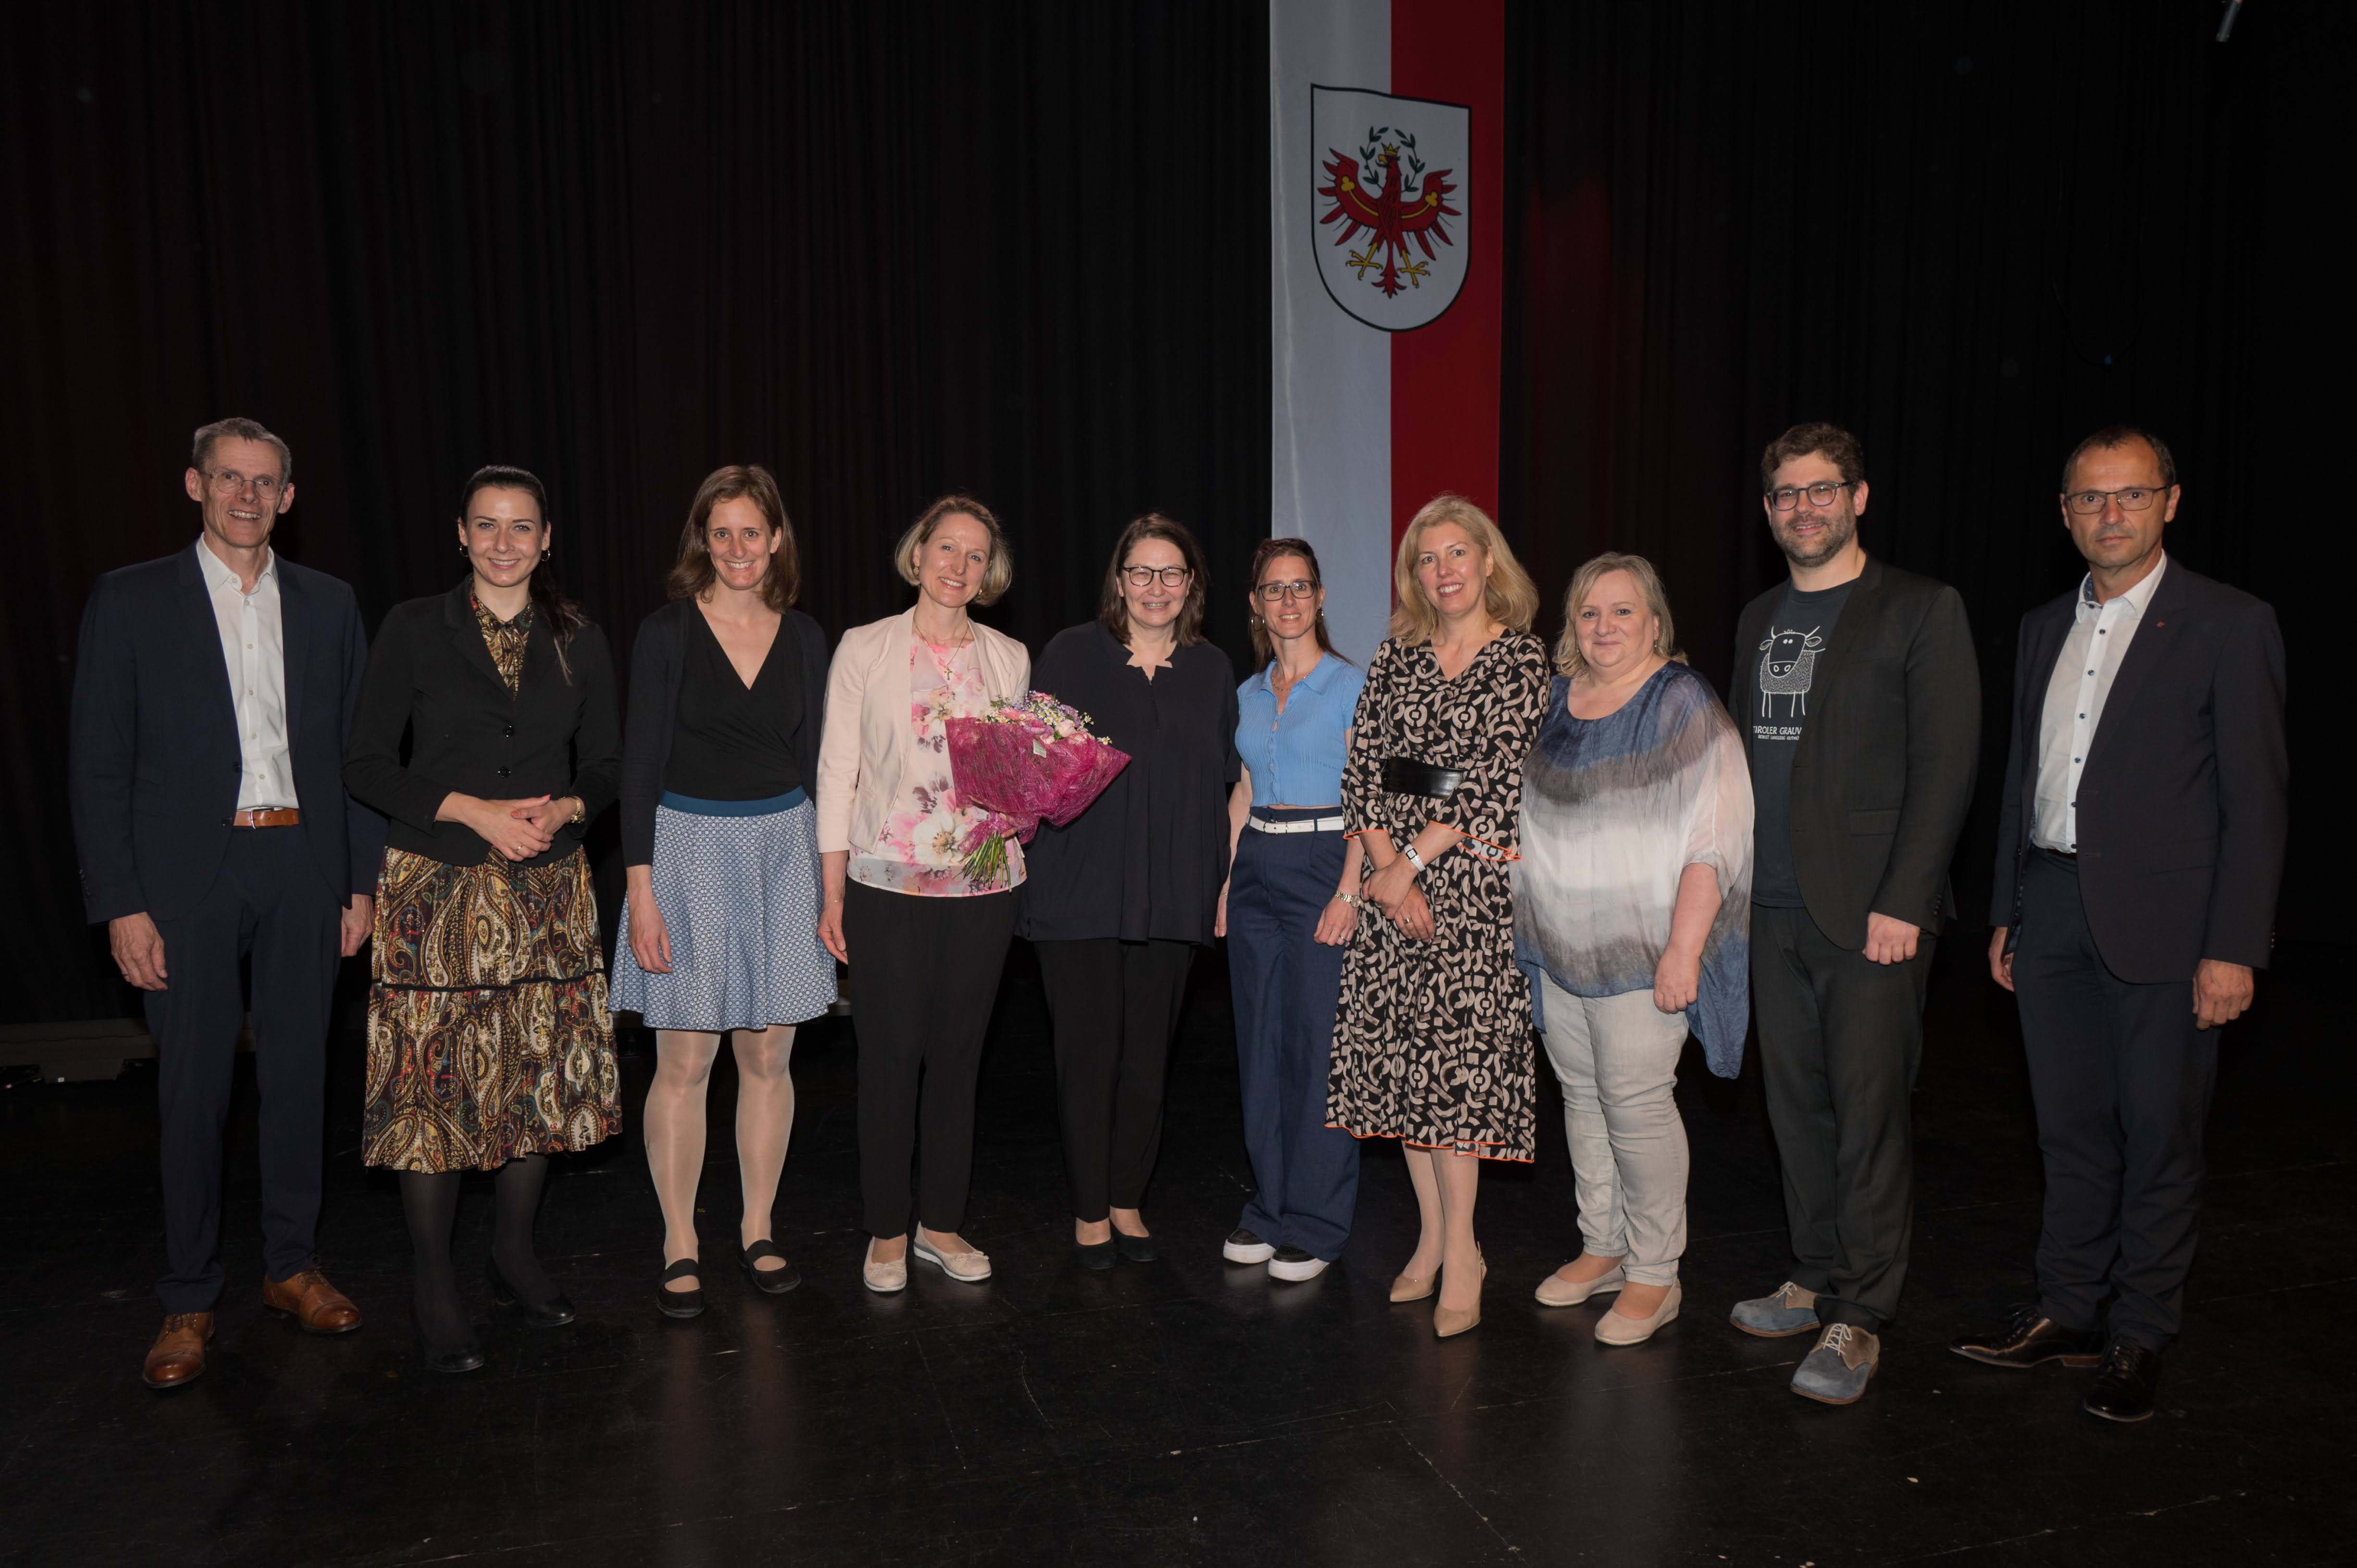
<point x="1388" y="221"/>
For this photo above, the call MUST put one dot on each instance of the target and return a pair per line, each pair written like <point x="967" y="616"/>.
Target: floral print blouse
<point x="928" y="837"/>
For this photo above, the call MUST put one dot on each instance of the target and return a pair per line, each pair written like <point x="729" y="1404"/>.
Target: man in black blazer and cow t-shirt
<point x="2138" y="854"/>
<point x="1859" y="698"/>
<point x="213" y="690"/>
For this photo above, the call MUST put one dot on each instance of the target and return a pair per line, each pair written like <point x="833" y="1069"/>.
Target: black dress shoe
<point x="768" y="1282"/>
<point x="1136" y="1249"/>
<point x="680" y="1303"/>
<point x="1096" y="1256"/>
<point x="2125" y="1383"/>
<point x="2030" y="1339"/>
<point x="554" y="1313"/>
<point x="461" y="1357"/>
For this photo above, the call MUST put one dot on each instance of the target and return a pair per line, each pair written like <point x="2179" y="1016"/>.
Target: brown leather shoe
<point x="311" y="1300"/>
<point x="177" y="1356"/>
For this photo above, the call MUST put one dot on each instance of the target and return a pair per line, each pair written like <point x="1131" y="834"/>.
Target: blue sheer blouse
<point x="1296" y="756"/>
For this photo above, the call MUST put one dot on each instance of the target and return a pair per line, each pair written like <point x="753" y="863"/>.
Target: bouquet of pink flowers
<point x="1025" y="762"/>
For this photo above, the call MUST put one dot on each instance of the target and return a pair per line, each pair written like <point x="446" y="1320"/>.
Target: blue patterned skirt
<point x="737" y="884"/>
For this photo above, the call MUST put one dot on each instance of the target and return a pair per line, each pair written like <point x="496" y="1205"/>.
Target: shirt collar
<point x="1318" y="680"/>
<point x="218" y="574"/>
<point x="2137" y="597"/>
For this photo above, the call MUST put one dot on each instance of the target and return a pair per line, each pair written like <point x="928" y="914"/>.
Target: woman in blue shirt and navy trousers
<point x="1288" y="912"/>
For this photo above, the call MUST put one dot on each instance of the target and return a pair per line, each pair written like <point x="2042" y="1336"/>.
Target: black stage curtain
<point x="1971" y="233"/>
<point x="887" y="251"/>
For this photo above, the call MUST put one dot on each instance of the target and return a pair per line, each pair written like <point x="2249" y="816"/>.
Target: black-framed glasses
<point x="1144" y="577"/>
<point x="230" y="482"/>
<point x="1784" y="498"/>
<point x="1299" y="588"/>
<point x="2136" y="498"/>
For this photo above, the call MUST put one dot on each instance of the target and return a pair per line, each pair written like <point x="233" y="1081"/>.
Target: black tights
<point x="429" y="1201"/>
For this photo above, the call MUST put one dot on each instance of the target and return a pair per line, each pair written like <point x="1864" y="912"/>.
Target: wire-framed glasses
<point x="2136" y="498"/>
<point x="228" y="481"/>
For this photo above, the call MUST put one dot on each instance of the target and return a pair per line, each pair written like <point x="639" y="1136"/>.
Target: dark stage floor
<point x="1186" y="1411"/>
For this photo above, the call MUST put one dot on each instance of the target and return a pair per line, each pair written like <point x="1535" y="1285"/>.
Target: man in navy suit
<point x="2139" y="849"/>
<point x="213" y="694"/>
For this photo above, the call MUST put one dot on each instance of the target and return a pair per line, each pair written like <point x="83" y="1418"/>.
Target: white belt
<point x="1307" y="825"/>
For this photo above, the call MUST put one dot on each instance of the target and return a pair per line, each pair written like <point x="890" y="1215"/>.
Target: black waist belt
<point x="1404" y="775"/>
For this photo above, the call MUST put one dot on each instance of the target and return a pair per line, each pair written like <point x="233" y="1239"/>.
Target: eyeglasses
<point x="1297" y="590"/>
<point x="2136" y="498"/>
<point x="228" y="481"/>
<point x="1143" y="576"/>
<point x="1821" y="494"/>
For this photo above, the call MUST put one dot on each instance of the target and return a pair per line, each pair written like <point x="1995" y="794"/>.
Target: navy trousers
<point x="2120" y="1079"/>
<point x="1286" y="984"/>
<point x="267" y="905"/>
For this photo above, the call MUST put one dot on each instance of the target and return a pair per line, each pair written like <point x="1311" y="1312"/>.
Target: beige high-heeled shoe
<point x="1415" y="1287"/>
<point x="1447" y="1322"/>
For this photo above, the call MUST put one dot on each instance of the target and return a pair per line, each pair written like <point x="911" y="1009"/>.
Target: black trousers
<point x="1115" y="1007"/>
<point x="2122" y="1080"/>
<point x="924" y="973"/>
<point x="269" y="904"/>
<point x="1840" y="1038"/>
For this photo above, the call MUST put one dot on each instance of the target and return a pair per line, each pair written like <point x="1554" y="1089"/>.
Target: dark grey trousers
<point x="2121" y="1082"/>
<point x="1840" y="1038"/>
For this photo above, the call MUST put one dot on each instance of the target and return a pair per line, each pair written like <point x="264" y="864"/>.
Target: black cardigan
<point x="658" y="659"/>
<point x="429" y="674"/>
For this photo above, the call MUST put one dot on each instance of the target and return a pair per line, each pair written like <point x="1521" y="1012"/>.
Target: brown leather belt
<point x="282" y="817"/>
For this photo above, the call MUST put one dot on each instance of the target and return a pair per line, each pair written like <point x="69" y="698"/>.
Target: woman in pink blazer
<point x="900" y="906"/>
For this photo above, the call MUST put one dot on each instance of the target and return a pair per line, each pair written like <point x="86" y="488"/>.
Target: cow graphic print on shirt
<point x="1788" y="667"/>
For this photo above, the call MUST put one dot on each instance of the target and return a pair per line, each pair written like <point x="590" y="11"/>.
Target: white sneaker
<point x="1243" y="1247"/>
<point x="966" y="1268"/>
<point x="1293" y="1263"/>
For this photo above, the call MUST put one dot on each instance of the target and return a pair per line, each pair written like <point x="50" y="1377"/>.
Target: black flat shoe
<point x="2125" y="1383"/>
<point x="768" y="1282"/>
<point x="1095" y="1257"/>
<point x="554" y="1313"/>
<point x="2029" y="1340"/>
<point x="1136" y="1249"/>
<point x="464" y="1357"/>
<point x="680" y="1303"/>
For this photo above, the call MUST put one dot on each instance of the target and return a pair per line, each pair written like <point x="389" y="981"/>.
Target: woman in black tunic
<point x="1120" y="899"/>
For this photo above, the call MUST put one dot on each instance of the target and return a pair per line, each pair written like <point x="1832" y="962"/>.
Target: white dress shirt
<point x="2082" y="682"/>
<point x="253" y="643"/>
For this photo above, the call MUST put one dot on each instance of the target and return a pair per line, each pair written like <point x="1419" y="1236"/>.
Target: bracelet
<point x="1352" y="899"/>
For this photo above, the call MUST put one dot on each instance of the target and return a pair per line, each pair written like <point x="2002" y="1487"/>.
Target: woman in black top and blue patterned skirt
<point x="719" y="934"/>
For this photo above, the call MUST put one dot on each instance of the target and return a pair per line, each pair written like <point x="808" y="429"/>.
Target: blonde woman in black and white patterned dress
<point x="1432" y="1036"/>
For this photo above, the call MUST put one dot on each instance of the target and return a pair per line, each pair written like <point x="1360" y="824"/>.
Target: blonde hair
<point x="1509" y="594"/>
<point x="1568" y="660"/>
<point x="996" y="577"/>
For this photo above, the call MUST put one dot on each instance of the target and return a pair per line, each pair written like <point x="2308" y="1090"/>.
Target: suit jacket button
<point x="507" y="734"/>
<point x="505" y="772"/>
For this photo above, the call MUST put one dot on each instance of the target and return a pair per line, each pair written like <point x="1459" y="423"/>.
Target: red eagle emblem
<point x="1405" y="202"/>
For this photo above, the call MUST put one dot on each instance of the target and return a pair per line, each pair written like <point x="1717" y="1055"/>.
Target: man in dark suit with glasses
<point x="2139" y="851"/>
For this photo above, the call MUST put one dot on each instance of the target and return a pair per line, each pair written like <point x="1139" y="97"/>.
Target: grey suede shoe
<point x="1838" y="1369"/>
<point x="1789" y="1310"/>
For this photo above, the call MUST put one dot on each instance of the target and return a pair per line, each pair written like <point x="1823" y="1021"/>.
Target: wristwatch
<point x="1407" y="853"/>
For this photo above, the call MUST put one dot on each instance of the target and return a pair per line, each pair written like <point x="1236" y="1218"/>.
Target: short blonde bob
<point x="996" y="577"/>
<point x="1510" y="596"/>
<point x="1569" y="661"/>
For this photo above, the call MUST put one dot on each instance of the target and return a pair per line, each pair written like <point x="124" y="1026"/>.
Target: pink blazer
<point x="867" y="738"/>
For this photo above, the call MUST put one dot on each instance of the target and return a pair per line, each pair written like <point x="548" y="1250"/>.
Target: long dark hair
<point x="1114" y="610"/>
<point x="549" y="603"/>
<point x="1264" y="646"/>
<point x="738" y="481"/>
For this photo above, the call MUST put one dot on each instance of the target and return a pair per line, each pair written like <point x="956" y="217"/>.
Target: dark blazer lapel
<point x="458" y="615"/>
<point x="1743" y="680"/>
<point x="2161" y="619"/>
<point x="294" y="645"/>
<point x="204" y="632"/>
<point x="2049" y="627"/>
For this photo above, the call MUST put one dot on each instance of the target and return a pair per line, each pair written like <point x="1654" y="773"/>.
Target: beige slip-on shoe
<point x="1613" y="1328"/>
<point x="966" y="1268"/>
<point x="1557" y="1291"/>
<point x="884" y="1279"/>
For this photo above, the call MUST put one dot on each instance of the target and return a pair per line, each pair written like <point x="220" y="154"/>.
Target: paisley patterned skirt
<point x="488" y="1034"/>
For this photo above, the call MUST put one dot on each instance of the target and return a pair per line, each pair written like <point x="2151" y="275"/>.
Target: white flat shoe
<point x="884" y="1279"/>
<point x="1613" y="1328"/>
<point x="966" y="1268"/>
<point x="1557" y="1291"/>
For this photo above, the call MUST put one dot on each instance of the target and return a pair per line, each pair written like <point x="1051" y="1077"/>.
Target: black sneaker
<point x="1293" y="1263"/>
<point x="1243" y="1247"/>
